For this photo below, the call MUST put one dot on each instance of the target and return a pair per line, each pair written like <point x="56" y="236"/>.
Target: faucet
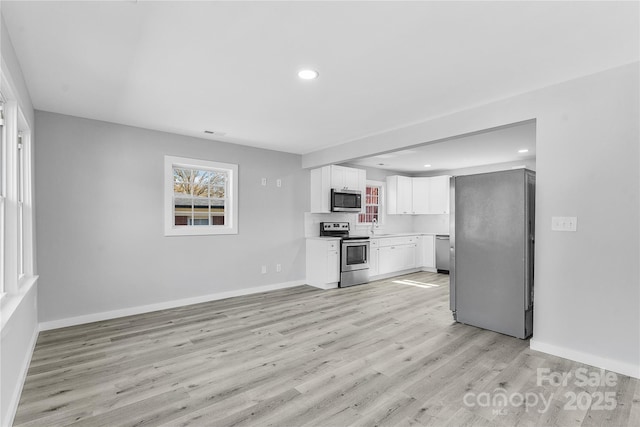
<point x="374" y="222"/>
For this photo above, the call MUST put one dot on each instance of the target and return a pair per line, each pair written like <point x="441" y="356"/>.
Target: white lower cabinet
<point x="374" y="258"/>
<point x="323" y="262"/>
<point x="426" y="253"/>
<point x="387" y="255"/>
<point x="333" y="263"/>
<point x="396" y="254"/>
<point x="429" y="251"/>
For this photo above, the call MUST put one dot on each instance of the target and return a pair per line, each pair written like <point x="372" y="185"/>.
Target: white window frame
<point x="3" y="193"/>
<point x="18" y="252"/>
<point x="381" y="202"/>
<point x="24" y="201"/>
<point x="231" y="203"/>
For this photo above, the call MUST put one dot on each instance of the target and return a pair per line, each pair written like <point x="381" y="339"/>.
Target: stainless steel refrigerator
<point x="492" y="236"/>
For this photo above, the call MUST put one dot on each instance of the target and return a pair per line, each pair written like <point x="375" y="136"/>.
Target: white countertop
<point x="323" y="238"/>
<point x="383" y="236"/>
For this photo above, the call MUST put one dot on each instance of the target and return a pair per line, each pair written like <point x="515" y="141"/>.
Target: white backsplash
<point x="390" y="224"/>
<point x="438" y="224"/>
<point x="312" y="221"/>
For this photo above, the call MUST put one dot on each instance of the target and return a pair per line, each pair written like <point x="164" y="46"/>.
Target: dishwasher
<point x="442" y="253"/>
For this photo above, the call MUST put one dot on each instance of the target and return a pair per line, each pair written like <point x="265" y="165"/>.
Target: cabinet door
<point x="373" y="261"/>
<point x="338" y="177"/>
<point x="404" y="195"/>
<point x="391" y="196"/>
<point x="344" y="178"/>
<point x="439" y="194"/>
<point x="352" y="179"/>
<point x="428" y="251"/>
<point x="419" y="250"/>
<point x="406" y="256"/>
<point x="321" y="190"/>
<point x="333" y="267"/>
<point x="386" y="260"/>
<point x="420" y="195"/>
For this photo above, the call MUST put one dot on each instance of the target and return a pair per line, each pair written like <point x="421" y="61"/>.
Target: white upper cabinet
<point x="439" y="194"/>
<point x="399" y="195"/>
<point x="339" y="177"/>
<point x="418" y="196"/>
<point x="343" y="178"/>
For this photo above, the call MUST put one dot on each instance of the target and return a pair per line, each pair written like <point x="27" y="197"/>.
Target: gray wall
<point x="100" y="219"/>
<point x="587" y="165"/>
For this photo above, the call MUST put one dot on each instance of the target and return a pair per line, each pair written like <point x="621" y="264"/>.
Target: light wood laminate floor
<point x="386" y="353"/>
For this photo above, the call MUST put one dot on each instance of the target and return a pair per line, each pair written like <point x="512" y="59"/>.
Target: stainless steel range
<point x="354" y="253"/>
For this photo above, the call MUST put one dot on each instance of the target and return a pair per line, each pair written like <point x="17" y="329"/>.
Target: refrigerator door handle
<point x="527" y="293"/>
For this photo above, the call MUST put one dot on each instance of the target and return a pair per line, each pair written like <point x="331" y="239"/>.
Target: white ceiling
<point x="486" y="148"/>
<point x="232" y="67"/>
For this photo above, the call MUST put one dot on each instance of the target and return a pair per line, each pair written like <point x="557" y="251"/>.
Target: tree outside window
<point x="200" y="197"/>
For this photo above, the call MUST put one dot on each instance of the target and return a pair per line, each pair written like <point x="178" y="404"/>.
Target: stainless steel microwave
<point x="346" y="200"/>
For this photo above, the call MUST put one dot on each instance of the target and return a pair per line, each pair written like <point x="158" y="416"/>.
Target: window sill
<point x="200" y="231"/>
<point x="11" y="301"/>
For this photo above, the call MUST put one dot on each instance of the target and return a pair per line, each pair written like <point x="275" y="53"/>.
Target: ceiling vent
<point x="215" y="132"/>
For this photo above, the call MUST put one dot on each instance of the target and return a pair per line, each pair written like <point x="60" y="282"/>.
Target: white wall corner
<point x="15" y="397"/>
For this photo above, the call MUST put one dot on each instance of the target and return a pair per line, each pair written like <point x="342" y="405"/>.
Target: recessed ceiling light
<point x="308" y="74"/>
<point x="427" y="166"/>
<point x="524" y="150"/>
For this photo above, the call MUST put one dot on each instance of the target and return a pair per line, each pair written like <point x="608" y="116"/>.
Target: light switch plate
<point x="264" y="181"/>
<point x="278" y="182"/>
<point x="564" y="223"/>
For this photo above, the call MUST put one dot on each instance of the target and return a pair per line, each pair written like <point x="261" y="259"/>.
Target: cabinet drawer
<point x="395" y="241"/>
<point x="375" y="243"/>
<point x="332" y="246"/>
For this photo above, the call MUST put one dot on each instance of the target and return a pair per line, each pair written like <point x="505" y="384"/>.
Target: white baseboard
<point x="620" y="367"/>
<point x="129" y="311"/>
<point x="15" y="398"/>
<point x="324" y="285"/>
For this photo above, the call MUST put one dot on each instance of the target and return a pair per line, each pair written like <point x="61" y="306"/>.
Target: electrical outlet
<point x="564" y="223"/>
<point x="278" y="182"/>
<point x="278" y="268"/>
<point x="264" y="269"/>
<point x="264" y="182"/>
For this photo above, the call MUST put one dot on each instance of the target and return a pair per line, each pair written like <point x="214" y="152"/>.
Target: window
<point x="21" y="178"/>
<point x="16" y="205"/>
<point x="373" y="204"/>
<point x="200" y="197"/>
<point x="3" y="168"/>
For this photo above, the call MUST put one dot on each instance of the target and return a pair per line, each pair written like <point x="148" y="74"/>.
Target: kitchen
<point x="400" y="224"/>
